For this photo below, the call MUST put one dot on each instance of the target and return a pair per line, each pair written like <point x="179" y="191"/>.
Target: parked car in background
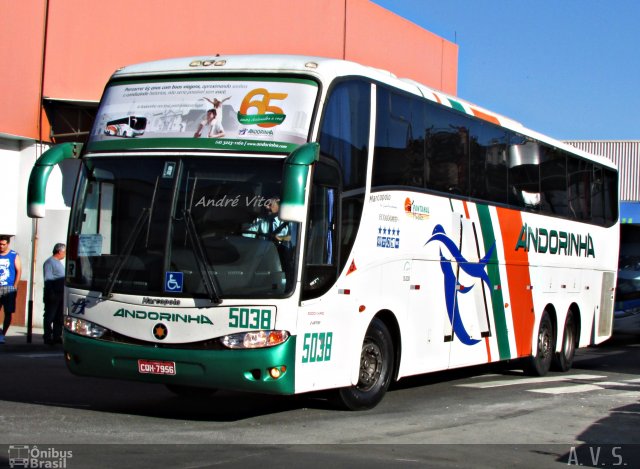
<point x="627" y="302"/>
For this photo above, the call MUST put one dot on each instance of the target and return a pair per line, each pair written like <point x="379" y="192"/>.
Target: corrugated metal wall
<point x="624" y="153"/>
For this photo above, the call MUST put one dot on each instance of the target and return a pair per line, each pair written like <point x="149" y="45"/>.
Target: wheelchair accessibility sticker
<point x="173" y="282"/>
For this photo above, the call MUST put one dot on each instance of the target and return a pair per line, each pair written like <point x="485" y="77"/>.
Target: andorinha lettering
<point x="542" y="241"/>
<point x="157" y="316"/>
<point x="255" y="132"/>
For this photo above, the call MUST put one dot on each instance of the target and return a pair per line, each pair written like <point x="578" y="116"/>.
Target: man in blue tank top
<point x="10" y="270"/>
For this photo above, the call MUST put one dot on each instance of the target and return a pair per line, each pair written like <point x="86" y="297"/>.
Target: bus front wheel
<point x="376" y="367"/>
<point x="539" y="364"/>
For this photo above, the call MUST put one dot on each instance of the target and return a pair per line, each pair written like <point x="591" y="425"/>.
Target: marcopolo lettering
<point x="542" y="241"/>
<point x="158" y="316"/>
<point x="160" y="301"/>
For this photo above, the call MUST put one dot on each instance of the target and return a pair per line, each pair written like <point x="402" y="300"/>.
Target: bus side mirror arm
<point x="295" y="176"/>
<point x="37" y="188"/>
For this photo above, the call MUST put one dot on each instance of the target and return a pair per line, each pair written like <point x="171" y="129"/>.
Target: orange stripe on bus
<point x="518" y="278"/>
<point x="485" y="116"/>
<point x="486" y="343"/>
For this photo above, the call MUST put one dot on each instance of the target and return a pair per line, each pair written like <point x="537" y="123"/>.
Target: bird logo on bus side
<point x="451" y="285"/>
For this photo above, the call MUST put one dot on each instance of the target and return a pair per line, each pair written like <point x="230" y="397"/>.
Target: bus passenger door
<point x="324" y="340"/>
<point x="425" y="344"/>
<point x="470" y="297"/>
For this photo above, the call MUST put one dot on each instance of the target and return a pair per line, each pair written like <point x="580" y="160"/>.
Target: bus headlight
<point x="255" y="339"/>
<point x="82" y="327"/>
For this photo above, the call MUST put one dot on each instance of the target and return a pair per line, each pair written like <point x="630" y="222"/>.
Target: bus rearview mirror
<point x="37" y="188"/>
<point x="295" y="181"/>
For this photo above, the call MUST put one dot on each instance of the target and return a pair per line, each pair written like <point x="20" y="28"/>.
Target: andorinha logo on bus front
<point x="416" y="211"/>
<point x="156" y="316"/>
<point x="258" y="132"/>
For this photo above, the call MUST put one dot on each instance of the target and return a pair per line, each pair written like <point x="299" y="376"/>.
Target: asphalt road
<point x="487" y="416"/>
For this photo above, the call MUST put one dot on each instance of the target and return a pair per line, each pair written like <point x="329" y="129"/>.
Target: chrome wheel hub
<point x="370" y="366"/>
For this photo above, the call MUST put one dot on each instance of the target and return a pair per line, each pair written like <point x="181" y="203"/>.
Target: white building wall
<point x="18" y="157"/>
<point x="9" y="185"/>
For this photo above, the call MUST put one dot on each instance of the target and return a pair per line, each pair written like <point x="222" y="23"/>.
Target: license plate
<point x="156" y="367"/>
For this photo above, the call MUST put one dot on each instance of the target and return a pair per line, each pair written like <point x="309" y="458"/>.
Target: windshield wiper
<point x="201" y="258"/>
<point x="126" y="252"/>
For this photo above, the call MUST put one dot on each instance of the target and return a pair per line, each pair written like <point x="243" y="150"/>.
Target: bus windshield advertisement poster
<point x="243" y="114"/>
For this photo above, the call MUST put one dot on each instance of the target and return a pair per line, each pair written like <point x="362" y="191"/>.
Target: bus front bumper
<point x="241" y="370"/>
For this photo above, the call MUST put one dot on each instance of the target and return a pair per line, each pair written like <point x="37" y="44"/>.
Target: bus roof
<point x="327" y="69"/>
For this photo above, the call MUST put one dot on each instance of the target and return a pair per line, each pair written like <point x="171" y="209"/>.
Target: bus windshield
<point x="181" y="226"/>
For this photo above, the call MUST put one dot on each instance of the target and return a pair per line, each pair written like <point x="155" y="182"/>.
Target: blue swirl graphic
<point x="451" y="286"/>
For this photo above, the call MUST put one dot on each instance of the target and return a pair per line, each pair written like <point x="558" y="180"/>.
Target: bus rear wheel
<point x="563" y="360"/>
<point x="540" y="363"/>
<point x="376" y="367"/>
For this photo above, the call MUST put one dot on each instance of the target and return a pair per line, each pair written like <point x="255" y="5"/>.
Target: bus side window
<point x="553" y="181"/>
<point x="399" y="146"/>
<point x="604" y="184"/>
<point x="489" y="168"/>
<point x="579" y="192"/>
<point x="321" y="236"/>
<point x="447" y="151"/>
<point x="321" y="270"/>
<point x="611" y="196"/>
<point x="524" y="172"/>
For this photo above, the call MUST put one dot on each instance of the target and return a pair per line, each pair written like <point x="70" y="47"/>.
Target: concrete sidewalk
<point x="16" y="341"/>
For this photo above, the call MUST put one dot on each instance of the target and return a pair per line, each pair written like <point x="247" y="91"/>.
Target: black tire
<point x="563" y="359"/>
<point x="376" y="368"/>
<point x="540" y="363"/>
<point x="190" y="391"/>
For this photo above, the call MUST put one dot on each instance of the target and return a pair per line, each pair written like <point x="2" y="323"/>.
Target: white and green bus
<point x="350" y="229"/>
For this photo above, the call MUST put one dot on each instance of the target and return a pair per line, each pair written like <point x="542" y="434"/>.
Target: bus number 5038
<point x="316" y="347"/>
<point x="250" y="318"/>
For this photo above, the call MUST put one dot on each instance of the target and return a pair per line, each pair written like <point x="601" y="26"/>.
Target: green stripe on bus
<point x="233" y="144"/>
<point x="457" y="106"/>
<point x="497" y="300"/>
<point x="224" y="369"/>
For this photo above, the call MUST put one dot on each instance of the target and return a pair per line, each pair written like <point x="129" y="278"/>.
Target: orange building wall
<point x="87" y="41"/>
<point x="382" y="39"/>
<point x="21" y="37"/>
